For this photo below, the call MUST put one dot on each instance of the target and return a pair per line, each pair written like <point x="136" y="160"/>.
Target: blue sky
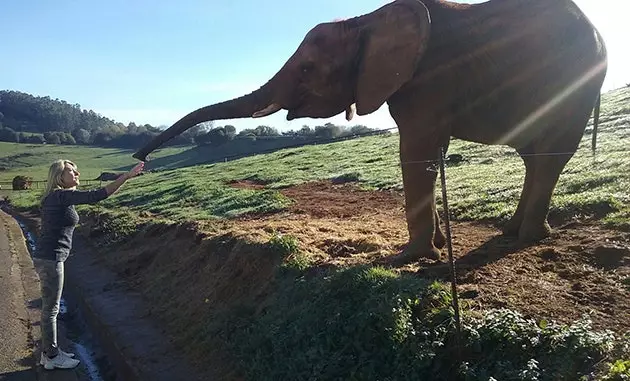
<point x="154" y="61"/>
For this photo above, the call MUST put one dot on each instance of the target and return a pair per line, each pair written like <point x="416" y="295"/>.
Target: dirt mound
<point x="324" y="200"/>
<point x="247" y="184"/>
<point x="192" y="271"/>
<point x="187" y="275"/>
<point x="583" y="268"/>
<point x="562" y="278"/>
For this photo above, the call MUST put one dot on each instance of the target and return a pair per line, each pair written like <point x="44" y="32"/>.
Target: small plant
<point x="297" y="262"/>
<point x="514" y="348"/>
<point x="22" y="182"/>
<point x="619" y="371"/>
<point x="283" y="244"/>
<point x="288" y="247"/>
<point x="346" y="178"/>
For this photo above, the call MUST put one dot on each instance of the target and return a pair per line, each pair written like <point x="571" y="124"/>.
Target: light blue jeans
<point x="51" y="280"/>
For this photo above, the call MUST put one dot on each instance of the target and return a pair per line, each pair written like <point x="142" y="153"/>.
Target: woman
<point x="58" y="221"/>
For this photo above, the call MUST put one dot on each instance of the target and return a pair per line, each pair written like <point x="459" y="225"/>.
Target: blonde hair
<point x="55" y="172"/>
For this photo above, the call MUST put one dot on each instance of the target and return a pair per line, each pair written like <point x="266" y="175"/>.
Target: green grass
<point x="369" y="323"/>
<point x="486" y="186"/>
<point x="33" y="159"/>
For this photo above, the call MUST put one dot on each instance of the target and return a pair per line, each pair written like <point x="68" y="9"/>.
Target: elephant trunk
<point x="256" y="104"/>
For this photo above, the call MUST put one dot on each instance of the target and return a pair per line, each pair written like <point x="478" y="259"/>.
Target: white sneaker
<point x="67" y="354"/>
<point x="61" y="361"/>
<point x="42" y="360"/>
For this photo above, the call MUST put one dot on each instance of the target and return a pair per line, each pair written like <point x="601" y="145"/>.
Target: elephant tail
<point x="596" y="122"/>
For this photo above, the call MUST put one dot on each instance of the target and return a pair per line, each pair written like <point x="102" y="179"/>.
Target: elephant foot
<point x="512" y="227"/>
<point x="414" y="252"/>
<point x="439" y="240"/>
<point x="529" y="233"/>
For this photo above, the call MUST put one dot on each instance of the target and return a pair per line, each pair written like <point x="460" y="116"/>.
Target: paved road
<point x="19" y="310"/>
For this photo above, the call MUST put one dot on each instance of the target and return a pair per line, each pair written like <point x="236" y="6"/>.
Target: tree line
<point x="25" y="118"/>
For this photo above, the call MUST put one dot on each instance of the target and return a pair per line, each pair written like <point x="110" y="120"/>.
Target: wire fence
<point x="386" y="131"/>
<point x="439" y="165"/>
<point x="41" y="184"/>
<point x="433" y="163"/>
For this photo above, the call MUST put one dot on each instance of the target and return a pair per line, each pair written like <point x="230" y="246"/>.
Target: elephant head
<point x="360" y="61"/>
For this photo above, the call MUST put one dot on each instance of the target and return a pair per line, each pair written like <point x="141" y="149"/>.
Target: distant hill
<point x="25" y="118"/>
<point x="24" y="112"/>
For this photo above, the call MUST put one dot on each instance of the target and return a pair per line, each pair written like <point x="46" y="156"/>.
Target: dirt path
<point x="16" y="350"/>
<point x="19" y="317"/>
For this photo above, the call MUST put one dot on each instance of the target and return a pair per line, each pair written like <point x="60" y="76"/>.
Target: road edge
<point x="31" y="294"/>
<point x="134" y="344"/>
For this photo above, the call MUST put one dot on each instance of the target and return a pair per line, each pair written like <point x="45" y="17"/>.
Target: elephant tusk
<point x="267" y="110"/>
<point x="350" y="111"/>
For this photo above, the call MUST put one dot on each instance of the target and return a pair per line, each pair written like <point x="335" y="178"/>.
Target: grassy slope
<point x="33" y="159"/>
<point x="316" y="326"/>
<point x="485" y="187"/>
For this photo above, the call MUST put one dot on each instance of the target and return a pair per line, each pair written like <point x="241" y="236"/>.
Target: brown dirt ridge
<point x="193" y="271"/>
<point x="583" y="268"/>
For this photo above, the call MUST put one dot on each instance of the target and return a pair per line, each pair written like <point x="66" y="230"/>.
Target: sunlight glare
<point x="552" y="103"/>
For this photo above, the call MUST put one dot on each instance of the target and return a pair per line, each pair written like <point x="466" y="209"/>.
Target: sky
<point x="153" y="61"/>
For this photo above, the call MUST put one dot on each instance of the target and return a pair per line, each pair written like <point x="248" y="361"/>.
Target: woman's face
<point x="70" y="176"/>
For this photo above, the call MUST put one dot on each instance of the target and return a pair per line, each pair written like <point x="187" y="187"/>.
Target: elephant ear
<point x="395" y="37"/>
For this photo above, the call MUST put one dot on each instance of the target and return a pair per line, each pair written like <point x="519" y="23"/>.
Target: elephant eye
<point x="308" y="67"/>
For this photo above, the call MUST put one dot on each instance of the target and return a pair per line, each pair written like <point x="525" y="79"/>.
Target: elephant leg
<point x="513" y="226"/>
<point x="420" y="210"/>
<point x="439" y="239"/>
<point x="552" y="152"/>
<point x="535" y="226"/>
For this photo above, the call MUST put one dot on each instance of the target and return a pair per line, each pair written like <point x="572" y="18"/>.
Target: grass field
<point x="346" y="317"/>
<point x="485" y="186"/>
<point x="33" y="159"/>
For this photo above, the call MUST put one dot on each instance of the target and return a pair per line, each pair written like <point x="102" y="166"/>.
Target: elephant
<point x="522" y="73"/>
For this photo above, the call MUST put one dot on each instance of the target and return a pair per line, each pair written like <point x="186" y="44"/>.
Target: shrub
<point x="22" y="182"/>
<point x="372" y="324"/>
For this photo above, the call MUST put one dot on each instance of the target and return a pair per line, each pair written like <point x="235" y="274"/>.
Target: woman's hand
<point x="135" y="171"/>
<point x="114" y="185"/>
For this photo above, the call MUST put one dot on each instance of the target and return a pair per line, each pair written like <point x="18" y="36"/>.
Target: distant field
<point x="485" y="186"/>
<point x="33" y="159"/>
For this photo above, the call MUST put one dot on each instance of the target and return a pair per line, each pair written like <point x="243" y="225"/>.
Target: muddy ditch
<point x="107" y="323"/>
<point x="94" y="363"/>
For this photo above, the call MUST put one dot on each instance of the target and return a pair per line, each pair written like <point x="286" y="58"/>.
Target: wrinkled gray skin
<point x="525" y="73"/>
